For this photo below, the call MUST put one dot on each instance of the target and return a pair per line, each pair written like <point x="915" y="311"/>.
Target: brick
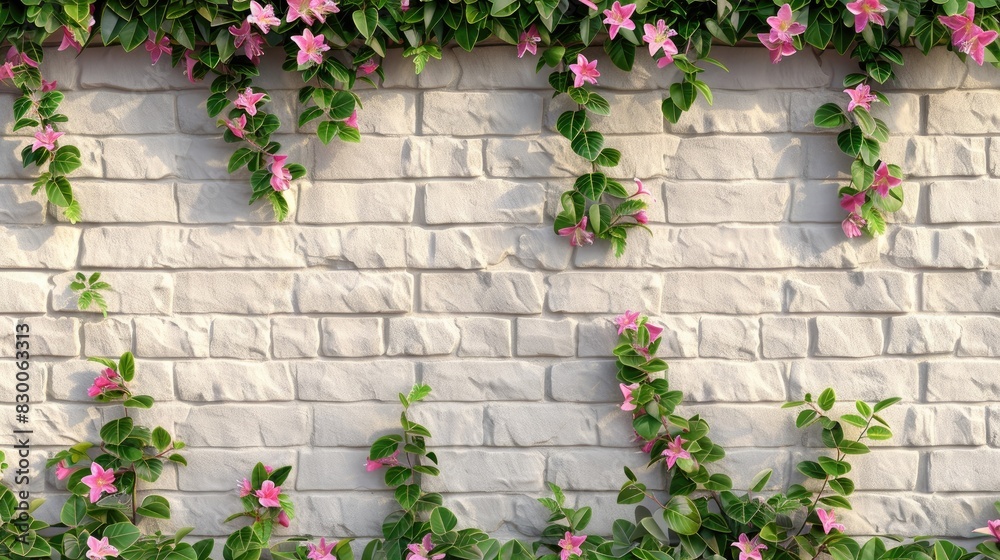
<point x="110" y="112"/>
<point x="728" y="381"/>
<point x="478" y="70"/>
<point x="19" y="206"/>
<point x="869" y="291"/>
<point x="745" y="201"/>
<point x="131" y="292"/>
<point x="527" y="425"/>
<point x="339" y="203"/>
<point x="957" y="470"/>
<point x="419" y="336"/>
<point x="539" y="156"/>
<point x="747" y="157"/>
<point x="351" y="337"/>
<point x="966" y="291"/>
<point x="963" y="112"/>
<point x="226" y="380"/>
<point x="473" y="380"/>
<point x="212" y="292"/>
<point x="294" y="337"/>
<point x="749" y="425"/>
<point x="38" y="247"/>
<point x="922" y="334"/>
<point x="936" y="70"/>
<point x="120" y="202"/>
<point x="733" y="338"/>
<point x="596" y="469"/>
<point x="182" y="247"/>
<point x="868" y="380"/>
<point x="546" y="337"/>
<point x="336" y="425"/>
<point x="23" y="292"/>
<point x="784" y="337"/>
<point x="402" y="158"/>
<point x="938" y="156"/>
<point x="604" y="292"/>
<point x="108" y="68"/>
<point x="379" y="380"/>
<point x="217" y="202"/>
<point x="584" y="381"/>
<point x="109" y="337"/>
<point x="362" y="247"/>
<point x="898" y="116"/>
<point x="482" y="292"/>
<point x="679" y="337"/>
<point x="488" y="471"/>
<point x="218" y="469"/>
<point x="53" y="336"/>
<point x="950" y="201"/>
<point x="452" y="424"/>
<point x="316" y="464"/>
<point x="480" y="247"/>
<point x="743" y="464"/>
<point x="748" y="69"/>
<point x="738" y="112"/>
<point x="388" y="112"/>
<point x="483" y="202"/>
<point x="722" y="292"/>
<point x="938" y="248"/>
<point x="980" y="336"/>
<point x="907" y="513"/>
<point x="243" y="338"/>
<point x="886" y="469"/>
<point x="172" y="337"/>
<point x="260" y="425"/>
<point x="849" y="337"/>
<point x="353" y="292"/>
<point x="484" y="337"/>
<point x="963" y="381"/>
<point x="475" y="114"/>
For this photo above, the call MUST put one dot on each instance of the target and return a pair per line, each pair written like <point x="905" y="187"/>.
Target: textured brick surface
<point x="426" y="253"/>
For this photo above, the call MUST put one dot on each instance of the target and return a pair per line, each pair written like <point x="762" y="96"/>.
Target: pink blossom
<point x="883" y="181"/>
<point x="641" y="217"/>
<point x="584" y="70"/>
<point x="100" y="549"/>
<point x="829" y="521"/>
<point x="578" y="234"/>
<point x="283" y="519"/>
<point x="268" y="494"/>
<point x="237" y="126"/>
<point x="659" y="37"/>
<point x="245" y="488"/>
<point x="618" y="17"/>
<point x="106" y="381"/>
<point x="263" y="17"/>
<point x="68" y="41"/>
<point x="627" y="321"/>
<point x="976" y="43"/>
<point x="961" y="25"/>
<point x="311" y="47"/>
<point x="861" y="96"/>
<point x="368" y="66"/>
<point x="422" y="551"/>
<point x="992" y="528"/>
<point x="62" y="471"/>
<point x="784" y="26"/>
<point x="570" y="545"/>
<point x="853" y="202"/>
<point x="248" y="101"/>
<point x="376" y="464"/>
<point x="852" y="225"/>
<point x="49" y="86"/>
<point x="528" y="42"/>
<point x="641" y="190"/>
<point x="648" y="446"/>
<point x="675" y="451"/>
<point x="99" y="480"/>
<point x="627" y="392"/>
<point x="6" y="71"/>
<point x="750" y="549"/>
<point x="281" y="177"/>
<point x="307" y="10"/>
<point x="866" y="11"/>
<point x="46" y="138"/>
<point x="157" y="48"/>
<point x="777" y="49"/>
<point x="322" y="551"/>
<point x="252" y="43"/>
<point x="654" y="332"/>
<point x="404" y="5"/>
<point x="189" y="63"/>
<point x="352" y="121"/>
<point x="268" y="468"/>
<point x="17" y="58"/>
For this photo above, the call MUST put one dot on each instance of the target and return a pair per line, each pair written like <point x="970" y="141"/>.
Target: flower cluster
<point x="968" y="37"/>
<point x="262" y="498"/>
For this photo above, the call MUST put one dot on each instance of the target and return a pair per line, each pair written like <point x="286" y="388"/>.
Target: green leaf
<point x="878" y="433"/>
<point x="826" y="399"/>
<point x="309" y="114"/>
<point x="829" y="115"/>
<point x="805" y="418"/>
<point x="121" y="535"/>
<point x="811" y="469"/>
<point x="74" y="511"/>
<point x="407" y="495"/>
<point x="116" y="431"/>
<point x="621" y="52"/>
<point x="591" y="185"/>
<point x="241" y="158"/>
<point x="385" y="446"/>
<point x="442" y="520"/>
<point x="850" y="141"/>
<point x="879" y="70"/>
<point x="671" y="111"/>
<point x="598" y="104"/>
<point x="139" y="401"/>
<point x="366" y="21"/>
<point x="609" y="157"/>
<point x="65" y="160"/>
<point x="833" y="467"/>
<point x="884" y="404"/>
<point x="161" y="439"/>
<point x="133" y="34"/>
<point x="342" y="105"/>
<point x="217" y="102"/>
<point x="683" y="95"/>
<point x="588" y="146"/>
<point x="682" y="516"/>
<point x="848" y="447"/>
<point x="646" y="426"/>
<point x="842" y="486"/>
<point x="572" y="123"/>
<point x="59" y="191"/>
<point x="126" y="367"/>
<point x="156" y="507"/>
<point x="835" y="501"/>
<point x="760" y="480"/>
<point x="327" y="130"/>
<point x="865" y="120"/>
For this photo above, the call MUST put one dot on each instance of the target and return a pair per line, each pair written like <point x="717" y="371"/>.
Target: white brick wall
<point x="426" y="253"/>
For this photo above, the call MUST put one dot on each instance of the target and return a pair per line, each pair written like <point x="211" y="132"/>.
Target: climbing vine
<point x="332" y="45"/>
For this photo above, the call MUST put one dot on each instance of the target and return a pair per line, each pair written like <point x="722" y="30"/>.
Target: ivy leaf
<point x="682" y="516"/>
<point x="365" y="21"/>
<point x="591" y="185"/>
<point x="622" y="53"/>
<point x="829" y="115"/>
<point x="850" y="141"/>
<point x="327" y="130"/>
<point x="588" y="145"/>
<point x="59" y="191"/>
<point x="572" y="123"/>
<point x="65" y="160"/>
<point x="609" y="157"/>
<point x="598" y="104"/>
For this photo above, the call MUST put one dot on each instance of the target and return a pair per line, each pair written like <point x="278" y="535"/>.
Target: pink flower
<point x="783" y="26"/>
<point x="975" y="45"/>
<point x="654" y="332"/>
<point x="750" y="549"/>
<point x="866" y="11"/>
<point x="618" y="17"/>
<point x="281" y="177"/>
<point x="584" y="70"/>
<point x="245" y="488"/>
<point x="423" y="550"/>
<point x="283" y="519"/>
<point x="68" y="40"/>
<point x="311" y="47"/>
<point x="852" y="225"/>
<point x="589" y="4"/>
<point x="268" y="468"/>
<point x="883" y="181"/>
<point x="853" y="202"/>
<point x="263" y="17"/>
<point x="157" y="48"/>
<point x="99" y="480"/>
<point x="17" y="58"/>
<point x="237" y="126"/>
<point x="861" y="96"/>
<point x="828" y="521"/>
<point x="189" y="63"/>
<point x="248" y="101"/>
<point x="648" y="446"/>
<point x="627" y="321"/>
<point x="368" y="66"/>
<point x="578" y="234"/>
<point x="7" y="71"/>
<point x="659" y="38"/>
<point x="46" y="138"/>
<point x="352" y="121"/>
<point x="103" y="382"/>
<point x="528" y="42"/>
<point x="268" y="494"/>
<point x="641" y="190"/>
<point x="992" y="528"/>
<point x="322" y="551"/>
<point x="376" y="464"/>
<point x="570" y="545"/>
<point x="307" y="10"/>
<point x="777" y="49"/>
<point x="49" y="86"/>
<point x="641" y="217"/>
<point x="675" y="451"/>
<point x="404" y="5"/>
<point x="627" y="391"/>
<point x="100" y="549"/>
<point x="240" y="33"/>
<point x="961" y="25"/>
<point x="62" y="471"/>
